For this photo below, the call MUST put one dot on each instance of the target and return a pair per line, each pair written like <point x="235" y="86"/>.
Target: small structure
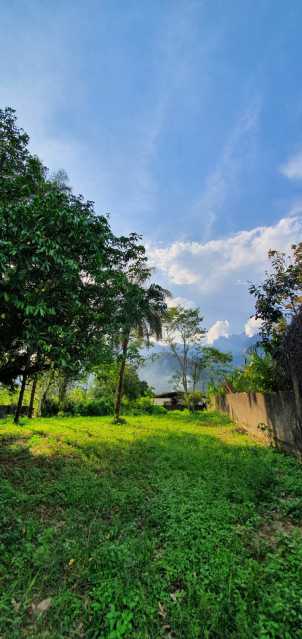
<point x="175" y="400"/>
<point x="172" y="400"/>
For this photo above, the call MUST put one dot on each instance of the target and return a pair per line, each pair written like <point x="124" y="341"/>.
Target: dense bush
<point x="90" y="407"/>
<point x="143" y="406"/>
<point x="95" y="407"/>
<point x="101" y="407"/>
<point x="50" y="407"/>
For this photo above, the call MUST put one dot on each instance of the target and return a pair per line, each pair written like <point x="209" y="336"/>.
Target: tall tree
<point x="21" y="173"/>
<point x="278" y="299"/>
<point x="141" y="313"/>
<point x="183" y="333"/>
<point x="279" y="306"/>
<point x="210" y="363"/>
<point x="61" y="268"/>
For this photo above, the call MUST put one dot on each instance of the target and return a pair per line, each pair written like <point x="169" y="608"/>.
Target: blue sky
<point x="182" y="119"/>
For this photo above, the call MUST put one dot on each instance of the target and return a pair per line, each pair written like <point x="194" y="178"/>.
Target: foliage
<point x="279" y="298"/>
<point x="197" y="363"/>
<point x="143" y="406"/>
<point x="279" y="306"/>
<point x="176" y="525"/>
<point x="101" y="406"/>
<point x="10" y="398"/>
<point x="106" y="379"/>
<point x="141" y="311"/>
<point x="195" y="399"/>
<point x="183" y="332"/>
<point x="260" y="374"/>
<point x="209" y="362"/>
<point x="65" y="279"/>
<point x="288" y="355"/>
<point x="21" y="173"/>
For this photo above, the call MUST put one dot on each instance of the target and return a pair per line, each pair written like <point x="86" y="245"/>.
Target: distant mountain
<point x="237" y="345"/>
<point x="159" y="370"/>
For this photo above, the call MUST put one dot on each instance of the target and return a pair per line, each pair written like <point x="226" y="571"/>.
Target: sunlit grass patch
<point x="147" y="530"/>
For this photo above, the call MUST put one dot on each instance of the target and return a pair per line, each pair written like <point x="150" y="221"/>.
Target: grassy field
<point x="173" y="527"/>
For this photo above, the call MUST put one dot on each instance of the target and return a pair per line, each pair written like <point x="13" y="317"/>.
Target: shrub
<point x="144" y="406"/>
<point x="49" y="408"/>
<point x="95" y="407"/>
<point x="86" y="408"/>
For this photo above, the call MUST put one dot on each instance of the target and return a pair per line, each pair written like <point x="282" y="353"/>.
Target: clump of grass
<point x="159" y="528"/>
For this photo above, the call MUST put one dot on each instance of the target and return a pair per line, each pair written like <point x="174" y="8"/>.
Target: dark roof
<point x="171" y="395"/>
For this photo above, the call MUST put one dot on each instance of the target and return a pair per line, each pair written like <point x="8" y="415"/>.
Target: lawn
<point x="172" y="526"/>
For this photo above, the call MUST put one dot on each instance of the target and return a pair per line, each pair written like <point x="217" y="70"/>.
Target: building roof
<point x="171" y="395"/>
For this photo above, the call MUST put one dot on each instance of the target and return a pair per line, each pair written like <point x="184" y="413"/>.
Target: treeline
<point x="71" y="292"/>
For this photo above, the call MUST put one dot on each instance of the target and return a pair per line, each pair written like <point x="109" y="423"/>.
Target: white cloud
<point x="216" y="274"/>
<point x="252" y="326"/>
<point x="179" y="301"/>
<point x="207" y="265"/>
<point x="293" y="167"/>
<point x="221" y="328"/>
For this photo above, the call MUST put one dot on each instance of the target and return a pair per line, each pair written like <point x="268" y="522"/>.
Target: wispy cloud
<point x="225" y="177"/>
<point x="292" y="169"/>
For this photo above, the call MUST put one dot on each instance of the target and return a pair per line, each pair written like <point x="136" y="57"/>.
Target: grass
<point x="173" y="527"/>
<point x="7" y="397"/>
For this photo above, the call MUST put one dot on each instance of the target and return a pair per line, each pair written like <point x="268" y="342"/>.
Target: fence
<point x="268" y="417"/>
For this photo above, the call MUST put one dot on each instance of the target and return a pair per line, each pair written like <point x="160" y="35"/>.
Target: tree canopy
<point x="64" y="276"/>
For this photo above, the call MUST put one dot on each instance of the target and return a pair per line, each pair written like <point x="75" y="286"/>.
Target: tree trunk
<point x="185" y="383"/>
<point x="297" y="394"/>
<point x="62" y="392"/>
<point x="20" y="399"/>
<point x="120" y="387"/>
<point x="32" y="397"/>
<point x="44" y="391"/>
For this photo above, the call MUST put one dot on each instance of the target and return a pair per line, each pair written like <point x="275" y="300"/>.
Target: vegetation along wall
<point x="271" y="417"/>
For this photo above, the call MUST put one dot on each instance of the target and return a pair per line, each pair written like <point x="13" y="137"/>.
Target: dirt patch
<point x="271" y="530"/>
<point x="240" y="429"/>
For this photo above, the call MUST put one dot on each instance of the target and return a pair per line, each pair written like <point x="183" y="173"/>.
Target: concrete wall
<point x="10" y="409"/>
<point x="276" y="412"/>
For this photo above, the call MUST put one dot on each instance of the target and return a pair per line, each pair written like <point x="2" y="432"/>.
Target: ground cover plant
<point x="168" y="526"/>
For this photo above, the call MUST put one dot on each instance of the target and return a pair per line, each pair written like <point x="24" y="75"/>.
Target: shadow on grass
<point x="107" y="528"/>
<point x="152" y="458"/>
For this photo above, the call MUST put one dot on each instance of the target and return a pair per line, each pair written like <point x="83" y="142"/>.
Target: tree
<point x="21" y="174"/>
<point x="279" y="297"/>
<point x="288" y="356"/>
<point x="61" y="268"/>
<point x="210" y="362"/>
<point x="141" y="313"/>
<point x="106" y="380"/>
<point x="183" y="333"/>
<point x="279" y="306"/>
<point x="258" y="375"/>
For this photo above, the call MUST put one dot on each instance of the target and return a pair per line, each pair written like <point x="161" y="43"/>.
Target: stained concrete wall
<point x="268" y="417"/>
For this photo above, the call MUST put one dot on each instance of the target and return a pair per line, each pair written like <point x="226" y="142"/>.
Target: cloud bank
<point x="216" y="274"/>
<point x="221" y="328"/>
